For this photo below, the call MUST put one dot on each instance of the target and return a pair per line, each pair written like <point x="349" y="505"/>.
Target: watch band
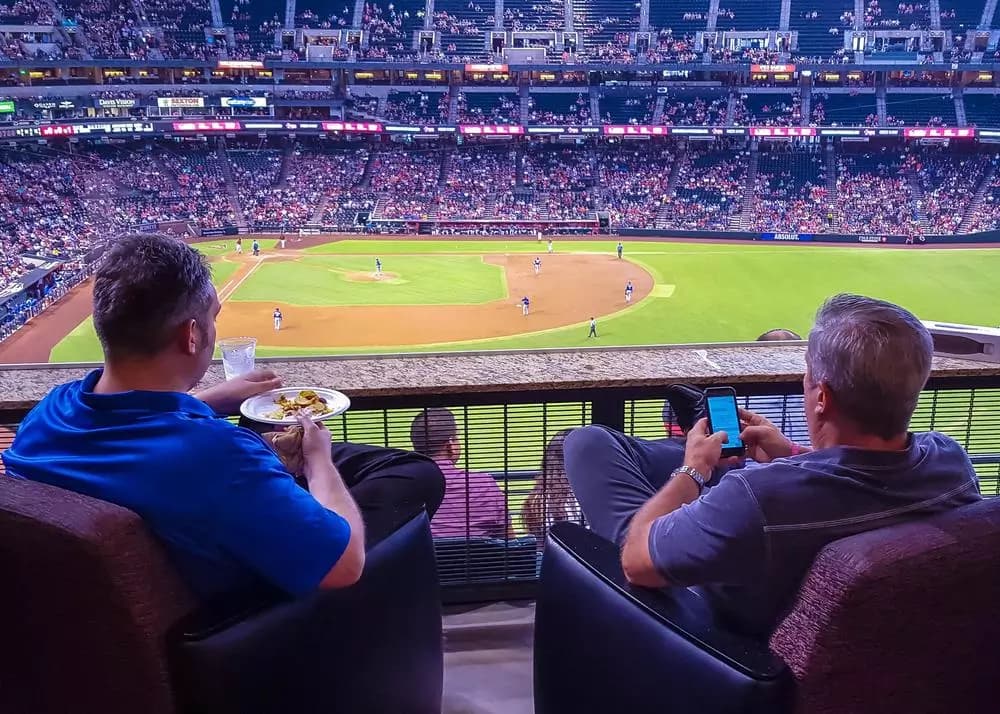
<point x="700" y="480"/>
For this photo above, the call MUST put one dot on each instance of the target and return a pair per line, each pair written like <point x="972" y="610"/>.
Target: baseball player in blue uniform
<point x="277" y="319"/>
<point x="628" y="292"/>
<point x="525" y="304"/>
<point x="538" y="265"/>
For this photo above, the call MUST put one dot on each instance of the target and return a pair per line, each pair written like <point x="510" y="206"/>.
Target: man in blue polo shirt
<point x="748" y="541"/>
<point x="216" y="494"/>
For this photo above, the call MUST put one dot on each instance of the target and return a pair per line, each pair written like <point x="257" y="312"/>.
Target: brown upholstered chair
<point x="893" y="620"/>
<point x="93" y="618"/>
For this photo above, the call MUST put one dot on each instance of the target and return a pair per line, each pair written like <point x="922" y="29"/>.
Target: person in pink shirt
<point x="473" y="505"/>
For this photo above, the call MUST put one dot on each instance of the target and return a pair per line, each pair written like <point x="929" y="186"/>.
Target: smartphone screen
<point x="722" y="416"/>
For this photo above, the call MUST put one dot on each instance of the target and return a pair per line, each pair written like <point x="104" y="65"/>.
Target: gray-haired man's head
<point x="872" y="359"/>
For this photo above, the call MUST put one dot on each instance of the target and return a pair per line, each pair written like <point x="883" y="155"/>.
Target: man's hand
<point x="316" y="453"/>
<point x="763" y="439"/>
<point x="226" y="397"/>
<point x="703" y="450"/>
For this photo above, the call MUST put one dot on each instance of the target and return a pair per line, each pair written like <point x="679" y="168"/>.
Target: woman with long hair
<point x="551" y="500"/>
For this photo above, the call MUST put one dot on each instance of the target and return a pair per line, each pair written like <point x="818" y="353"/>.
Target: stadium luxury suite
<point x="654" y="341"/>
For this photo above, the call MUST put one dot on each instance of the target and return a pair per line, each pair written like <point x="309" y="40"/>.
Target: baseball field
<point x="466" y="294"/>
<point x="438" y="295"/>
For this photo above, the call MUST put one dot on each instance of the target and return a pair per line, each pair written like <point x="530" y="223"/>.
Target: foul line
<point x="229" y="288"/>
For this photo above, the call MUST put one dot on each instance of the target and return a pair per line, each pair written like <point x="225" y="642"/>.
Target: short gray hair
<point x="874" y="357"/>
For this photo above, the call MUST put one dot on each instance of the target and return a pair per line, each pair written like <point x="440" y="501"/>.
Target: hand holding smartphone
<point x="723" y="415"/>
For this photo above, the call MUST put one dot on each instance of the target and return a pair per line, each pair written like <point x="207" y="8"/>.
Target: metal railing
<point x="489" y="537"/>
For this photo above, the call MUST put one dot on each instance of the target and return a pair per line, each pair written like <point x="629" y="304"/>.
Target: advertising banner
<point x="180" y="102"/>
<point x="253" y="102"/>
<point x="117" y="103"/>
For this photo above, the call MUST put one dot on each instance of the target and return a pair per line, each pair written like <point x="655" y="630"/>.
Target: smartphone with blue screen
<point x="723" y="416"/>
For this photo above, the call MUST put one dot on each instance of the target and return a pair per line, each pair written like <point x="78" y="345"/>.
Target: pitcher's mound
<point x="360" y="277"/>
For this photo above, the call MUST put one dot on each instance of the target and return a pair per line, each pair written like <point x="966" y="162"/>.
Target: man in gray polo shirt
<point x="748" y="541"/>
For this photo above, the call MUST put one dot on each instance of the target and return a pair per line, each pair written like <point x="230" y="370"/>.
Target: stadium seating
<point x="961" y="16"/>
<point x="920" y="109"/>
<point x="463" y="25"/>
<point x="949" y="185"/>
<point x="636" y="184"/>
<point x="416" y="107"/>
<point x="682" y="17"/>
<point x="749" y="14"/>
<point x="887" y="15"/>
<point x="760" y="109"/>
<point x="842" y="109"/>
<point x="551" y="108"/>
<point x="702" y="108"/>
<point x="820" y="27"/>
<point x="982" y="109"/>
<point x="790" y="192"/>
<point x="533" y="15"/>
<point x="487" y="108"/>
<point x="391" y="24"/>
<point x="628" y="110"/>
<point x="874" y="195"/>
<point x="709" y="187"/>
<point x="605" y="25"/>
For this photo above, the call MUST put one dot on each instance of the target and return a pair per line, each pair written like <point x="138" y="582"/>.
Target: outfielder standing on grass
<point x="378" y="268"/>
<point x="550" y="245"/>
<point x="593" y="328"/>
<point x="620" y="249"/>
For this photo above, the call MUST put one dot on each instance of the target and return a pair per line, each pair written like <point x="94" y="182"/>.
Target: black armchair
<point x="95" y="620"/>
<point x="602" y="646"/>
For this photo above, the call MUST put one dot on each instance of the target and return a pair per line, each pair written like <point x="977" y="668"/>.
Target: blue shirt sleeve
<point x="718" y="539"/>
<point x="272" y="525"/>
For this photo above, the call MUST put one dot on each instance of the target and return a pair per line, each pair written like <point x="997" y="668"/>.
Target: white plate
<point x="257" y="408"/>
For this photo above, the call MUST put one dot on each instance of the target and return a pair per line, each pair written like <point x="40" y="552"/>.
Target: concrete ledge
<point x="427" y="374"/>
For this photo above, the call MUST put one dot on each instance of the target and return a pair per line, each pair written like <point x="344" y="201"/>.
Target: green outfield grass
<point x="327" y="280"/>
<point x="705" y="292"/>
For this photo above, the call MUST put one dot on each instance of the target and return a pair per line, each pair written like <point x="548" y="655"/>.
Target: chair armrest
<point x="602" y="645"/>
<point x="373" y="647"/>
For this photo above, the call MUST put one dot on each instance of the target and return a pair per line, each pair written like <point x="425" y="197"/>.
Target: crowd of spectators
<point x="695" y="111"/>
<point x="708" y="192"/>
<point x="949" y="186"/>
<point x="635" y="183"/>
<point x="789" y="193"/>
<point x="874" y="195"/>
<point x="63" y="204"/>
<point x="25" y="12"/>
<point x="570" y="112"/>
<point x="415" y="107"/>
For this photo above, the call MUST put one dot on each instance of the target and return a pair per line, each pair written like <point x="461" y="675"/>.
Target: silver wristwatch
<point x="695" y="476"/>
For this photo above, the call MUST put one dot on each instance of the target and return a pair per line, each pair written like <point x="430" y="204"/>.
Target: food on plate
<point x="306" y="402"/>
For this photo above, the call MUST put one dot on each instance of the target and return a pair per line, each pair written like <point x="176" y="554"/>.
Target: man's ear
<point x="189" y="337"/>
<point x="824" y="401"/>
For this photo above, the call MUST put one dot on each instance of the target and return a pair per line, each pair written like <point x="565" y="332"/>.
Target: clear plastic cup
<point x="237" y="355"/>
